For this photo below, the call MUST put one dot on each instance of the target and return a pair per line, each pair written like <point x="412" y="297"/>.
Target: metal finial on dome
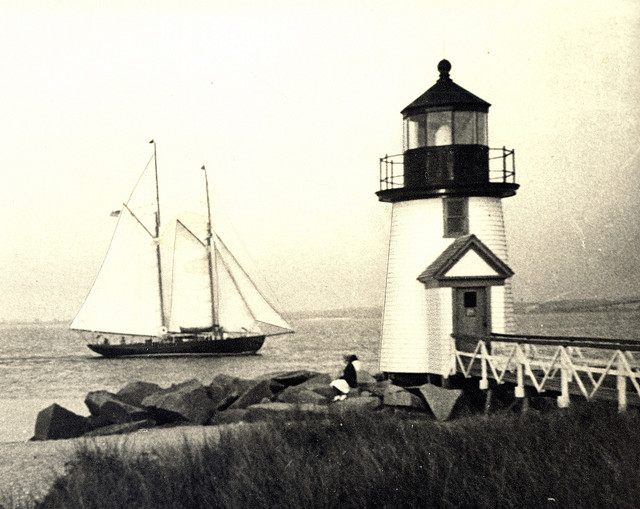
<point x="444" y="66"/>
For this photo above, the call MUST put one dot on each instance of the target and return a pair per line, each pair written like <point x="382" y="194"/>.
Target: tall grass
<point x="588" y="457"/>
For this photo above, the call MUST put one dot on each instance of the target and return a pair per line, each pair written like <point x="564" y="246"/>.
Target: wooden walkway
<point x="593" y="368"/>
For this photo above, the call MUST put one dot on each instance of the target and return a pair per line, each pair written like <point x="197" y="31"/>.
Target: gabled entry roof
<point x="466" y="258"/>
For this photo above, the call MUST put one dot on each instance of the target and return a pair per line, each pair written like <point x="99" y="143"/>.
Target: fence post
<point x="621" y="383"/>
<point x="520" y="386"/>
<point x="565" y="378"/>
<point x="484" y="381"/>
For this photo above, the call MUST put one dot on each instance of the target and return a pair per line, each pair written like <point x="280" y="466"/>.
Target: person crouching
<point x="349" y="378"/>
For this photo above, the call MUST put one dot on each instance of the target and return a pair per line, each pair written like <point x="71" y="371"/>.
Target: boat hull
<point x="230" y="346"/>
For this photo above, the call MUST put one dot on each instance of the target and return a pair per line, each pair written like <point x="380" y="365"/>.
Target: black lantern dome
<point x="446" y="149"/>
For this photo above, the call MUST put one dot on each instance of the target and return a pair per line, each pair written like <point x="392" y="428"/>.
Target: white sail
<point x="124" y="298"/>
<point x="190" y="289"/>
<point x="252" y="299"/>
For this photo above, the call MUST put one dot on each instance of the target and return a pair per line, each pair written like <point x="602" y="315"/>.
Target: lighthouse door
<point x="471" y="312"/>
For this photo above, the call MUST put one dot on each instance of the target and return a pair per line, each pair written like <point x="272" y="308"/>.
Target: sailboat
<point x="172" y="288"/>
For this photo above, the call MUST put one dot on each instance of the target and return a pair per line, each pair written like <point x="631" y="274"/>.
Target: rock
<point x="301" y="396"/>
<point x="228" y="416"/>
<point x="188" y="401"/>
<point x="365" y="379"/>
<point x="224" y="390"/>
<point x="56" y="422"/>
<point x="266" y="411"/>
<point x="119" y="429"/>
<point x="379" y="388"/>
<point x="320" y="379"/>
<point x="133" y="393"/>
<point x="261" y="390"/>
<point x="395" y="396"/>
<point x="355" y="404"/>
<point x="292" y="378"/>
<point x="108" y="406"/>
<point x="441" y="401"/>
<point x="313" y="408"/>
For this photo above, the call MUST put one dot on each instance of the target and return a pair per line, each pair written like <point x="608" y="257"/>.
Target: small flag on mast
<point x="152" y="141"/>
<point x="114" y="213"/>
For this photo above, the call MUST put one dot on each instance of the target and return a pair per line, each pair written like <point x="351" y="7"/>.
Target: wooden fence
<point x="594" y="368"/>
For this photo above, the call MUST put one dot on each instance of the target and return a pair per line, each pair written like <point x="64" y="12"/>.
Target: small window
<point x="439" y="128"/>
<point x="482" y="129"/>
<point x="464" y="131"/>
<point x="415" y="132"/>
<point x="456" y="217"/>
<point x="470" y="299"/>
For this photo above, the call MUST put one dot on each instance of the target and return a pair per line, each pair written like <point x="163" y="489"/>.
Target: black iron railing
<point x="502" y="166"/>
<point x="502" y="169"/>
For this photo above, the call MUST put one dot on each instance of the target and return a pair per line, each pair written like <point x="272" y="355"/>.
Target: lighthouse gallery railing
<point x="502" y="168"/>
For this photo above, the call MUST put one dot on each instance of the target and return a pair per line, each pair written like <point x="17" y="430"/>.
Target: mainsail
<point x="126" y="295"/>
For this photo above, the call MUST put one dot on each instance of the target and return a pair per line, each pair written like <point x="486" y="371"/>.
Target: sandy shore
<point x="28" y="469"/>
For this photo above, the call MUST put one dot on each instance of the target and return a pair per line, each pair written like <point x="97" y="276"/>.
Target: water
<point x="41" y="364"/>
<point x="45" y="363"/>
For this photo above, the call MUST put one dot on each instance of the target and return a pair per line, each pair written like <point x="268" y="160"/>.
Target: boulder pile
<point x="229" y="399"/>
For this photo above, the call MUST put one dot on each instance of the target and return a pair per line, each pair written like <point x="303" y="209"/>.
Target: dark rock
<point x="313" y="408"/>
<point x="300" y="396"/>
<point x="224" y="390"/>
<point x="228" y="416"/>
<point x="379" y="388"/>
<point x="441" y="401"/>
<point x="395" y="396"/>
<point x="119" y="429"/>
<point x="266" y="411"/>
<point x="133" y="393"/>
<point x="188" y="401"/>
<point x="260" y="390"/>
<point x="292" y="378"/>
<point x="315" y="381"/>
<point x="357" y="404"/>
<point x="56" y="422"/>
<point x="98" y="421"/>
<point x="108" y="406"/>
<point x="365" y="379"/>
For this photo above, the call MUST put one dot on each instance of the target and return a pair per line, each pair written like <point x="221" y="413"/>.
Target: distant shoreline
<point x="554" y="306"/>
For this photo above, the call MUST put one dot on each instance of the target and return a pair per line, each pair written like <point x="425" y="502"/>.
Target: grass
<point x="587" y="457"/>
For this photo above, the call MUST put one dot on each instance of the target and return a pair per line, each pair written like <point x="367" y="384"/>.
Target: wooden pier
<point x="593" y="368"/>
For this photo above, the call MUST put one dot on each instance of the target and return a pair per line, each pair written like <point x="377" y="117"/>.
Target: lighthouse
<point x="447" y="272"/>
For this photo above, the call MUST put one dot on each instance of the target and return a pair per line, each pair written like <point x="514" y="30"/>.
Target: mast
<point x="210" y="251"/>
<point x="157" y="236"/>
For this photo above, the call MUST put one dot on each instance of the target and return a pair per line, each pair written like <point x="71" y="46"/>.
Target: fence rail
<point x="607" y="370"/>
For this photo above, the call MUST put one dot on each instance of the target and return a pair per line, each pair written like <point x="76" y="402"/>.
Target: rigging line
<point x="139" y="222"/>
<point x="273" y="308"/>
<point x="191" y="233"/>
<point x="140" y="178"/>
<point x="239" y="239"/>
<point x="233" y="280"/>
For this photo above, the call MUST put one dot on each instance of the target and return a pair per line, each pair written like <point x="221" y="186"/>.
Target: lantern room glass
<point x="440" y="128"/>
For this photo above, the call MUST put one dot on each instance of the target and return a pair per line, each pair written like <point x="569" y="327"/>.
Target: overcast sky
<point x="290" y="104"/>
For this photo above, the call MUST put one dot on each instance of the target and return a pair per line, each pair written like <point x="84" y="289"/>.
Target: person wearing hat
<point x="349" y="379"/>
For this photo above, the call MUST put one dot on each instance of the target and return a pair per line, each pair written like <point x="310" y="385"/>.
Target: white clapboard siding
<point x="486" y="221"/>
<point x="415" y="241"/>
<point x="418" y="322"/>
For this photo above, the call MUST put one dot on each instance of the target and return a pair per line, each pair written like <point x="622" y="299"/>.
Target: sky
<point x="290" y="104"/>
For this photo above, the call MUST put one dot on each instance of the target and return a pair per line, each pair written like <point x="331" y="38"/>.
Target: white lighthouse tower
<point x="447" y="272"/>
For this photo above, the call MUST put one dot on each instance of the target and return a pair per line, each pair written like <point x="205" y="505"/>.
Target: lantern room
<point x="446" y="148"/>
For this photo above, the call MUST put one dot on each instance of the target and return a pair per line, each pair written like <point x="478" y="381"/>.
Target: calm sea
<point x="41" y="364"/>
